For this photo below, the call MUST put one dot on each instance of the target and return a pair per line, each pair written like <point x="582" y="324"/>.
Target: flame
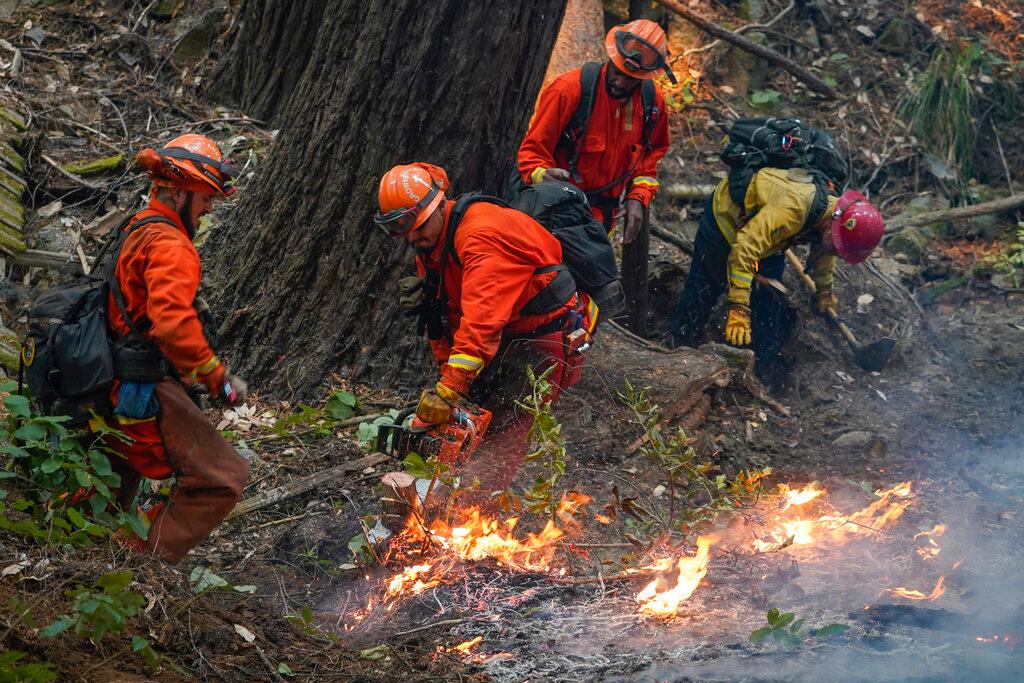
<point x="883" y="512"/>
<point x="603" y="519"/>
<point x="936" y="530"/>
<point x="466" y="647"/>
<point x="797" y="497"/>
<point x="665" y="602"/>
<point x="910" y="594"/>
<point x="409" y="581"/>
<point x="930" y="551"/>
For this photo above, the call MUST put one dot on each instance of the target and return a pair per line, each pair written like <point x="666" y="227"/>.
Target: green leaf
<point x="765" y="98"/>
<point x="838" y="57"/>
<point x="100" y="463"/>
<point x="84" y="478"/>
<point x="773" y="616"/>
<point x="781" y="637"/>
<point x="416" y="466"/>
<point x="15" y="451"/>
<point x="18" y="405"/>
<point x="760" y="635"/>
<point x="115" y="582"/>
<point x="56" y="628"/>
<point x="135" y="524"/>
<point x="30" y="431"/>
<point x="7" y="474"/>
<point x="245" y="589"/>
<point x="139" y="643"/>
<point x="784" y="620"/>
<point x="797" y="625"/>
<point x="342" y="405"/>
<point x="284" y="669"/>
<point x="830" y="630"/>
<point x="76" y="517"/>
<point x="205" y="579"/>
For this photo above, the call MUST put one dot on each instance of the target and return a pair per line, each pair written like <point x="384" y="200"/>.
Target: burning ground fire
<point x="791" y="526"/>
<point x="800" y="517"/>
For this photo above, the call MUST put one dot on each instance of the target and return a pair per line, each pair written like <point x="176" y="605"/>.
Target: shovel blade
<point x="873" y="357"/>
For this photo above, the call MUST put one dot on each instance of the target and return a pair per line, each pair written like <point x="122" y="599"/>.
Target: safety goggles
<point x="640" y="55"/>
<point x="398" y="222"/>
<point x="201" y="162"/>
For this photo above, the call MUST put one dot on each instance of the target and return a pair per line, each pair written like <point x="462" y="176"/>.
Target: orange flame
<point x="883" y="512"/>
<point x="664" y="602"/>
<point x="930" y="551"/>
<point x="467" y="647"/>
<point x="936" y="530"/>
<point x="910" y="594"/>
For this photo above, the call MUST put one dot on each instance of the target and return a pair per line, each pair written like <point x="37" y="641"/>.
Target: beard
<point x="185" y="214"/>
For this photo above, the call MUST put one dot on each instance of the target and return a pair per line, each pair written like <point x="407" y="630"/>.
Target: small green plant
<point x="305" y="622"/>
<point x="13" y="672"/>
<point x="202" y="580"/>
<point x="342" y="405"/>
<point x="366" y="432"/>
<point x="1010" y="261"/>
<point x="97" y="612"/>
<point x="788" y="631"/>
<point x="765" y="99"/>
<point x="941" y="109"/>
<point x="549" y="446"/>
<point x="69" y="474"/>
<point x="687" y="476"/>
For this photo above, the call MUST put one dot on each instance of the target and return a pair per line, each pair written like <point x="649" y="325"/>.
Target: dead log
<point x="51" y="260"/>
<point x="959" y="212"/>
<point x="671" y="238"/>
<point x="685" y="192"/>
<point x="305" y="484"/>
<point x="813" y="82"/>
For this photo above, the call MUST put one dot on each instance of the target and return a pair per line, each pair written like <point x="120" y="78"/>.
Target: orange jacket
<point x="500" y="249"/>
<point x="613" y="142"/>
<point x="158" y="272"/>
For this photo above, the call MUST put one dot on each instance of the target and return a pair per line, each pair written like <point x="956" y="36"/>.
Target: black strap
<point x="111" y="274"/>
<point x="576" y="131"/>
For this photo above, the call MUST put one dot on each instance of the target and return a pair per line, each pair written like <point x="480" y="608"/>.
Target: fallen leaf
<point x="11" y="570"/>
<point x="881" y="395"/>
<point x="247" y="635"/>
<point x="865" y="31"/>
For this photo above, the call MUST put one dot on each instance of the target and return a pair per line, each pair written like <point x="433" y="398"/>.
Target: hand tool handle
<point x="809" y="283"/>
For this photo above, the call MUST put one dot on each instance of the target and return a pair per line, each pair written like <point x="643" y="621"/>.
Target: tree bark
<point x="309" y="282"/>
<point x="270" y="46"/>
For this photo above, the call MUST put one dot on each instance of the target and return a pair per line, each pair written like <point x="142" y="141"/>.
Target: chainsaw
<point x="450" y="443"/>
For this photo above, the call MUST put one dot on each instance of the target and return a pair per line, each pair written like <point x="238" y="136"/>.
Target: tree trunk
<point x="309" y="282"/>
<point x="270" y="45"/>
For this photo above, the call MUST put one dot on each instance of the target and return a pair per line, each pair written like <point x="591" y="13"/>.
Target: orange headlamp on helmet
<point x="191" y="162"/>
<point x="639" y="49"/>
<point x="408" y="194"/>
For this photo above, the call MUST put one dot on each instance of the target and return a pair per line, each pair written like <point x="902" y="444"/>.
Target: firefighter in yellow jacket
<point x="736" y="247"/>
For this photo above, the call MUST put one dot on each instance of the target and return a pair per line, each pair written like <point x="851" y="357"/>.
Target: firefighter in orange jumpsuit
<point x="503" y="300"/>
<point x="616" y="151"/>
<point x="161" y="344"/>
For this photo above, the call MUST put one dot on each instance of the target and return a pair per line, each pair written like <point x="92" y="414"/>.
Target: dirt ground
<point x="946" y="415"/>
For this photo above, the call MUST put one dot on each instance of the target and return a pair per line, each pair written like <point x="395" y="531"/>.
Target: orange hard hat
<point x="191" y="162"/>
<point x="408" y="194"/>
<point x="639" y="49"/>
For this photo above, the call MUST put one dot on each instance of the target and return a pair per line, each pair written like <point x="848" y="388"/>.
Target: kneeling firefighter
<point x="153" y="313"/>
<point x="493" y="296"/>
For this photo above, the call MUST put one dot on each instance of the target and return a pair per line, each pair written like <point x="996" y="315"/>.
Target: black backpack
<point x="563" y="209"/>
<point x="576" y="130"/>
<point x="757" y="143"/>
<point x="70" y="357"/>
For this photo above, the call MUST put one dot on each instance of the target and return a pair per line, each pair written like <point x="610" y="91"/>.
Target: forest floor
<point x="283" y="592"/>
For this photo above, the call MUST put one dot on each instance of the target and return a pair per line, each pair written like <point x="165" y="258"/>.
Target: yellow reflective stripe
<point x="592" y="311"/>
<point x="740" y="279"/>
<point x="466" y="362"/>
<point x="537" y="174"/>
<point x="646" y="180"/>
<point x="206" y="368"/>
<point x="121" y="419"/>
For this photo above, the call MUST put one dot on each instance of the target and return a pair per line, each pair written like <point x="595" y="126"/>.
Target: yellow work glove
<point x="826" y="300"/>
<point x="435" y="407"/>
<point x="737" y="326"/>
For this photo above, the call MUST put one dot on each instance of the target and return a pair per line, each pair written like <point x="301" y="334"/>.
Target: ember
<point x="660" y="601"/>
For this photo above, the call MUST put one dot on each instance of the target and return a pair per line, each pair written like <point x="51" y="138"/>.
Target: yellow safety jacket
<point x="776" y="203"/>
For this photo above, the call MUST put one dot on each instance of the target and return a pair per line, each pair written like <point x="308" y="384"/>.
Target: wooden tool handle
<point x="809" y="283"/>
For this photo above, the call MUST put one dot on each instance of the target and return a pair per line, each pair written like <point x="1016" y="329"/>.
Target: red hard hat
<point x="192" y="162"/>
<point x="856" y="227"/>
<point x="408" y="194"/>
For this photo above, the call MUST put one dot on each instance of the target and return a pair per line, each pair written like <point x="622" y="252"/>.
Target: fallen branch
<point x="305" y="484"/>
<point x="994" y="206"/>
<point x="743" y="29"/>
<point x="813" y="82"/>
<point x="687" y="191"/>
<point x="673" y="239"/>
<point x="71" y="176"/>
<point x="53" y="260"/>
<point x="637" y="339"/>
